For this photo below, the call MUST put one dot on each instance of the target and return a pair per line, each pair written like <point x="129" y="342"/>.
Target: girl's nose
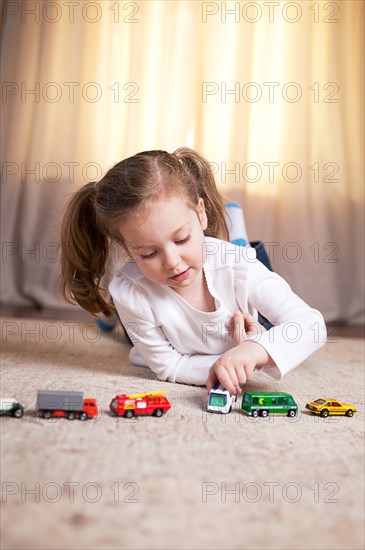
<point x="172" y="259"/>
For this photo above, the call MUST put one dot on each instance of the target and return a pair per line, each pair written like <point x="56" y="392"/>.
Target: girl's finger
<point x="227" y="378"/>
<point x="234" y="380"/>
<point x="211" y="380"/>
<point x="249" y="319"/>
<point x="252" y="326"/>
<point x="239" y="328"/>
<point x="241" y="377"/>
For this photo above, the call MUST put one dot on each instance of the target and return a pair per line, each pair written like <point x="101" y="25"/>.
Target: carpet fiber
<point x="188" y="480"/>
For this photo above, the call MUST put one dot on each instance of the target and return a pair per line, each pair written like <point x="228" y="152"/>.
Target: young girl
<point x="187" y="297"/>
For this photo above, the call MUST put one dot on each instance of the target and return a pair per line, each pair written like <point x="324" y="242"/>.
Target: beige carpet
<point x="188" y="480"/>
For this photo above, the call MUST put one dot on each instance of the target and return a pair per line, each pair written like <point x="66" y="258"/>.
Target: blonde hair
<point x="92" y="217"/>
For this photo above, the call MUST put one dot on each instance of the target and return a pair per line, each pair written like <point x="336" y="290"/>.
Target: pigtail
<point x="201" y="172"/>
<point x="84" y="251"/>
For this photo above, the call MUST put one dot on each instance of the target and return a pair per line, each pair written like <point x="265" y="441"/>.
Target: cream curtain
<point x="270" y="92"/>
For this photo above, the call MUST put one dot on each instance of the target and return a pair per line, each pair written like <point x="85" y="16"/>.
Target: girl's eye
<point x="149" y="255"/>
<point x="153" y="254"/>
<point x="184" y="240"/>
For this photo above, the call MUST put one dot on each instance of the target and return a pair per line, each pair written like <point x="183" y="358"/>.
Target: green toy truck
<point x="265" y="403"/>
<point x="10" y="407"/>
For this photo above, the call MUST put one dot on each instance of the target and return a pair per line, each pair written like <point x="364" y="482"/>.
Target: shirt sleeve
<point x="149" y="339"/>
<point x="298" y="331"/>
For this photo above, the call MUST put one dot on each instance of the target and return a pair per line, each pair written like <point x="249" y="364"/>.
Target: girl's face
<point x="166" y="240"/>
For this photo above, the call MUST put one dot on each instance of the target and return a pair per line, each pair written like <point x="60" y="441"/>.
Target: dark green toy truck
<point x="10" y="407"/>
<point x="265" y="403"/>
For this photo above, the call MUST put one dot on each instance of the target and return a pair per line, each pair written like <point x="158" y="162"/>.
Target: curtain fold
<point x="272" y="98"/>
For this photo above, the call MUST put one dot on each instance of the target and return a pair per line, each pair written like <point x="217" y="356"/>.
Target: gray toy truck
<point x="69" y="404"/>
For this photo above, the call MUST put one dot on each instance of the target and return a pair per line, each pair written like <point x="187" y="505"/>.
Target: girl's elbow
<point x="324" y="330"/>
<point x="166" y="375"/>
<point x="319" y="329"/>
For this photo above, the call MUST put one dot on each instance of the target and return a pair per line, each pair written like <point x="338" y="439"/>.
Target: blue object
<point x="236" y="224"/>
<point x="104" y="326"/>
<point x="239" y="242"/>
<point x="263" y="257"/>
<point x="233" y="204"/>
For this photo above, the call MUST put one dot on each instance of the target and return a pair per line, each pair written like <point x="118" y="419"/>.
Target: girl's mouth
<point x="181" y="276"/>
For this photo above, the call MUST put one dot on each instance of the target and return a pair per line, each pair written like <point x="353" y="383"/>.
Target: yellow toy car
<point x="329" y="406"/>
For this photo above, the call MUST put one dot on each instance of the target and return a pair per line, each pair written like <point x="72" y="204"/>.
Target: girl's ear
<point x="202" y="214"/>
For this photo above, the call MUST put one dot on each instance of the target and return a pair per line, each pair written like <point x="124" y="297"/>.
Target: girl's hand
<point x="235" y="367"/>
<point x="245" y="326"/>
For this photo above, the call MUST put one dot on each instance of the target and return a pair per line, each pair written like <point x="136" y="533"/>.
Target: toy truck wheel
<point x="18" y="413"/>
<point x="292" y="413"/>
<point x="324" y="413"/>
<point x="129" y="413"/>
<point x="264" y="413"/>
<point x="158" y="412"/>
<point x="350" y="412"/>
<point x="83" y="416"/>
<point x="47" y="415"/>
<point x="71" y="416"/>
<point x="255" y="413"/>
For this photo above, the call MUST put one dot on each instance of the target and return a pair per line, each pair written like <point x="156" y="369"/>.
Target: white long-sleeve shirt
<point x="180" y="343"/>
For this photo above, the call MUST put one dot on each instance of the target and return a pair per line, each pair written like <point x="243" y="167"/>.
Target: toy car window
<point x="335" y="404"/>
<point x="281" y="400"/>
<point x="273" y="400"/>
<point x="217" y="400"/>
<point x="255" y="401"/>
<point x="319" y="401"/>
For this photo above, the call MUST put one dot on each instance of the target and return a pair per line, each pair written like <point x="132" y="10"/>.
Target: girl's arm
<point x="298" y="331"/>
<point x="156" y="352"/>
<point x="150" y="341"/>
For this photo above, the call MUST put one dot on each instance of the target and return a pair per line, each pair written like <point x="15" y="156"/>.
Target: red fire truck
<point x="149" y="403"/>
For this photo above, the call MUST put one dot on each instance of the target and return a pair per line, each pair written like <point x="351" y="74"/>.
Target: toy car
<point x="220" y="400"/>
<point x="10" y="406"/>
<point x="67" y="404"/>
<point x="148" y="403"/>
<point x="328" y="406"/>
<point x="264" y="403"/>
